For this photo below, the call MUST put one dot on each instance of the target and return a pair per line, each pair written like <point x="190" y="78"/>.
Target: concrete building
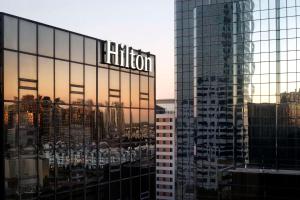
<point x="165" y="149"/>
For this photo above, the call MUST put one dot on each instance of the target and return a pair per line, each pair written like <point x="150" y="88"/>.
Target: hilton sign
<point x="124" y="56"/>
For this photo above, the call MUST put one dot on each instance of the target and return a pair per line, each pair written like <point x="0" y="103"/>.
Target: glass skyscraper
<point x="73" y="127"/>
<point x="237" y="99"/>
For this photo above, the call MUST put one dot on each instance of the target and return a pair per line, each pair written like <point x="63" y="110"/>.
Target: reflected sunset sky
<point x="146" y="25"/>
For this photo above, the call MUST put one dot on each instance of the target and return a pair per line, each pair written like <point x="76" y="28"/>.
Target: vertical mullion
<point x="130" y="136"/>
<point x="53" y="116"/>
<point x="109" y="110"/>
<point x="37" y="113"/>
<point x="2" y="190"/>
<point x="120" y="135"/>
<point x="84" y="115"/>
<point x="70" y="113"/>
<point x="154" y="122"/>
<point x="97" y="135"/>
<point x="140" y="134"/>
<point x="18" y="128"/>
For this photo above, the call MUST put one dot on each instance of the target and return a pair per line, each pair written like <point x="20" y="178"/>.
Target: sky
<point x="142" y="24"/>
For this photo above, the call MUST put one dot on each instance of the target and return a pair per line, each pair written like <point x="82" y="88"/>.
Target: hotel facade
<point x="77" y="115"/>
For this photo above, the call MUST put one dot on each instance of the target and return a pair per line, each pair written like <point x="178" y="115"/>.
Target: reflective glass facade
<point x="71" y="126"/>
<point x="237" y="98"/>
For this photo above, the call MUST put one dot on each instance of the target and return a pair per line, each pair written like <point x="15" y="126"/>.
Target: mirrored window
<point x="10" y="75"/>
<point x="27" y="36"/>
<point x="144" y="124"/>
<point x="102" y="86"/>
<point x="62" y="117"/>
<point x="76" y="74"/>
<point x="151" y="92"/>
<point x="135" y="90"/>
<point x="114" y="87"/>
<point x="135" y="126"/>
<point x="61" y="44"/>
<point x="90" y="51"/>
<point x="125" y="89"/>
<point x="11" y="142"/>
<point x="125" y="124"/>
<point x="103" y="124"/>
<point x="46" y="78"/>
<point x="10" y="32"/>
<point x="152" y="124"/>
<point x="144" y="94"/>
<point x="45" y="41"/>
<point x="76" y="48"/>
<point x="114" y="79"/>
<point x="90" y="85"/>
<point x="28" y="68"/>
<point x="62" y="81"/>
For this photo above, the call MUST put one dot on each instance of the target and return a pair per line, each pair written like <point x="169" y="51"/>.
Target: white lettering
<point x="122" y="48"/>
<point x="125" y="56"/>
<point x="132" y="59"/>
<point x="110" y="52"/>
<point x="139" y="62"/>
<point x="148" y="64"/>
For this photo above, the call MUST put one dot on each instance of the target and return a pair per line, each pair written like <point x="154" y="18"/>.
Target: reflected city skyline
<point x="73" y="126"/>
<point x="237" y="98"/>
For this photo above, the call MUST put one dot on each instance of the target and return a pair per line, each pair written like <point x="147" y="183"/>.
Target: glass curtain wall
<point x="237" y="96"/>
<point x="73" y="127"/>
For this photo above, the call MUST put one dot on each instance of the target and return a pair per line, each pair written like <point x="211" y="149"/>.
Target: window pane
<point x="144" y="124"/>
<point x="76" y="48"/>
<point x="135" y="91"/>
<point x="61" y="44"/>
<point x="46" y="76"/>
<point x="76" y="74"/>
<point x="125" y="125"/>
<point x="45" y="41"/>
<point x="28" y="141"/>
<point x="103" y="86"/>
<point x="62" y="81"/>
<point x="61" y="119"/>
<point x="90" y="85"/>
<point x="90" y="51"/>
<point x="152" y="124"/>
<point x="135" y="126"/>
<point x="10" y="33"/>
<point x="114" y="87"/>
<point x="76" y="129"/>
<point x="114" y="115"/>
<point x="103" y="123"/>
<point x="47" y="140"/>
<point x="27" y="36"/>
<point x="27" y="66"/>
<point x="27" y="95"/>
<point x="11" y="144"/>
<point x="125" y="89"/>
<point x="144" y="92"/>
<point x="151" y="92"/>
<point x="114" y="80"/>
<point x="10" y="75"/>
<point x="144" y="84"/>
<point x="90" y="140"/>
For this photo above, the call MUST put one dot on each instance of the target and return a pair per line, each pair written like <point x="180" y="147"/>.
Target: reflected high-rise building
<point x="74" y="125"/>
<point x="236" y="97"/>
